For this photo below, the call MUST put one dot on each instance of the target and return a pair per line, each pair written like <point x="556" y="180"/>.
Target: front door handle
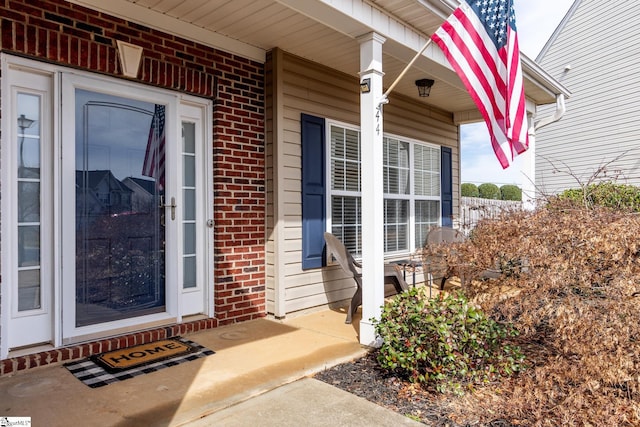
<point x="172" y="206"/>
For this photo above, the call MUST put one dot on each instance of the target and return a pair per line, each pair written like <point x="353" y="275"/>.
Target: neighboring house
<point x="249" y="124"/>
<point x="593" y="53"/>
<point x="142" y="197"/>
<point x="107" y="192"/>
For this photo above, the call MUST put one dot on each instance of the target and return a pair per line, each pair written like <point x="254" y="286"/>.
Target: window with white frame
<point x="411" y="178"/>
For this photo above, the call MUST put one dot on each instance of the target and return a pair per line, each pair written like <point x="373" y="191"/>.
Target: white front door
<point x="108" y="229"/>
<point x="118" y="208"/>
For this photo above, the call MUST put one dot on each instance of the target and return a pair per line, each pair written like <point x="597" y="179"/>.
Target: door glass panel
<point x="29" y="290"/>
<point x="189" y="170"/>
<point x="189" y="238"/>
<point x="190" y="272"/>
<point x="28" y="201"/>
<point x="120" y="233"/>
<point x="29" y="205"/>
<point x="189" y="279"/>
<point x="189" y="204"/>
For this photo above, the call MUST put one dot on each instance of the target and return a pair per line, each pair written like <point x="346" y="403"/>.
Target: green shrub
<point x="511" y="192"/>
<point x="606" y="194"/>
<point x="489" y="191"/>
<point x="445" y="342"/>
<point x="469" y="190"/>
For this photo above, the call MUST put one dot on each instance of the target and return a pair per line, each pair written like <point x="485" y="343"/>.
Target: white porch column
<point x="372" y="185"/>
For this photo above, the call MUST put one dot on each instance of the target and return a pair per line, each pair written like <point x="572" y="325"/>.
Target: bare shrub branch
<point x="571" y="286"/>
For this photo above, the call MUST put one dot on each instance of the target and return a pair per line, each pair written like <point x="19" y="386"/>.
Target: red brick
<point x="7" y="366"/>
<point x="94" y="56"/>
<point x="75" y="13"/>
<point x="100" y="22"/>
<point x="130" y="340"/>
<point x="21" y="363"/>
<point x="54" y="356"/>
<point x="76" y="352"/>
<point x="146" y="337"/>
<point x="105" y="345"/>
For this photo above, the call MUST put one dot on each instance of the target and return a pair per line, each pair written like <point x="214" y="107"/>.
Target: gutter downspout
<point x="560" y="110"/>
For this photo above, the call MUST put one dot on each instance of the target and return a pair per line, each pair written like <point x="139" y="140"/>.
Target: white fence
<point x="474" y="209"/>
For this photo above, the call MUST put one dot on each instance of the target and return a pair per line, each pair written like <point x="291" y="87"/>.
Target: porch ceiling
<point x="326" y="31"/>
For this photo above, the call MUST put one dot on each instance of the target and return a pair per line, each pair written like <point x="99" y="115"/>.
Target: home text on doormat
<point x="142" y="354"/>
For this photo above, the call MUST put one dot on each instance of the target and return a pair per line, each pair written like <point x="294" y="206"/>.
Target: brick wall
<point x="72" y="35"/>
<point x="239" y="196"/>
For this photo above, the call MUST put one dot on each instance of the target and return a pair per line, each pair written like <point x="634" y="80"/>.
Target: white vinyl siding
<point x="600" y="124"/>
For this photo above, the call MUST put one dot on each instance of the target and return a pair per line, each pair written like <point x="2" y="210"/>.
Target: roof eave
<point x="538" y="76"/>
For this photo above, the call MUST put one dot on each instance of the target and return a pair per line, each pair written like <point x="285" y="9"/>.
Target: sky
<point x="535" y="22"/>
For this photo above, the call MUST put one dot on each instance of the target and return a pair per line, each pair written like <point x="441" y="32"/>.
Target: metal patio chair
<point x="353" y="268"/>
<point x="437" y="265"/>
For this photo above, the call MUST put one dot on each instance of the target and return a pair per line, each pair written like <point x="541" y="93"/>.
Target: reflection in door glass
<point x="28" y="148"/>
<point x="189" y="279"/>
<point x="120" y="265"/>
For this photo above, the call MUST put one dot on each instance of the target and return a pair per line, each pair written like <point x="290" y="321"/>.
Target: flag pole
<point x="384" y="98"/>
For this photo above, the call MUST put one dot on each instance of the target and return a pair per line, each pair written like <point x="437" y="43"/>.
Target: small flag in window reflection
<point x="154" y="157"/>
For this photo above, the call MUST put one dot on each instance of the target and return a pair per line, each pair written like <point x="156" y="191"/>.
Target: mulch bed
<point x="364" y="378"/>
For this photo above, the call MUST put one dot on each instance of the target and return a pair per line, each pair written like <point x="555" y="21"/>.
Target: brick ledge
<point x="79" y="351"/>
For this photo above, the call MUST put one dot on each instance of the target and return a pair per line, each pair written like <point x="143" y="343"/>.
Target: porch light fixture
<point x="365" y="86"/>
<point x="424" y="86"/>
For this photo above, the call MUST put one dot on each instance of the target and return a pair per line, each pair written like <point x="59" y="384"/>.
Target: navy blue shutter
<point x="446" y="186"/>
<point x="313" y="191"/>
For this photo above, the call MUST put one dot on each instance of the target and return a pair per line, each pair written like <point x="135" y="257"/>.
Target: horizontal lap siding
<point x="312" y="89"/>
<point x="600" y="124"/>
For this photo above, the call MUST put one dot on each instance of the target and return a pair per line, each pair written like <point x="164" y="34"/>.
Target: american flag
<point x="480" y="41"/>
<point x="153" y="165"/>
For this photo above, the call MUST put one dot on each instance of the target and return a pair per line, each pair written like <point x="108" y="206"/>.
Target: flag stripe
<point x="154" y="158"/>
<point x="484" y="99"/>
<point x="484" y="49"/>
<point x="517" y="108"/>
<point x="466" y="66"/>
<point x="480" y="42"/>
<point x="501" y="152"/>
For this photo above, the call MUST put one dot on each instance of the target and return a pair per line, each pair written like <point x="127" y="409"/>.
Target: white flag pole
<point x="384" y="98"/>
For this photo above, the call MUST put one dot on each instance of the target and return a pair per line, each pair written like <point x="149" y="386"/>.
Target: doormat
<point x="106" y="368"/>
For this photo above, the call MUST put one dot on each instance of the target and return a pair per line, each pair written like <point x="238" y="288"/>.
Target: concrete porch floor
<point x="251" y="380"/>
